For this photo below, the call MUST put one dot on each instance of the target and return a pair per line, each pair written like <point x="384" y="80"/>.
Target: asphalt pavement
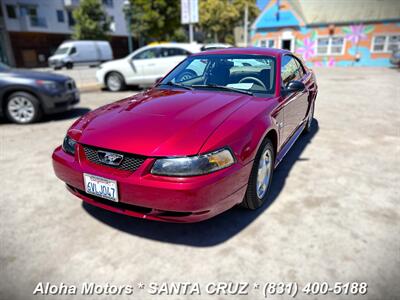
<point x="333" y="214"/>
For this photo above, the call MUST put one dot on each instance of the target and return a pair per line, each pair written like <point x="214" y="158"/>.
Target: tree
<point x="156" y="20"/>
<point x="91" y="21"/>
<point x="218" y="18"/>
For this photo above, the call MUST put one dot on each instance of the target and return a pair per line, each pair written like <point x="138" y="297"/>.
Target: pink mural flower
<point x="331" y="62"/>
<point x="325" y="62"/>
<point x="356" y="33"/>
<point x="307" y="48"/>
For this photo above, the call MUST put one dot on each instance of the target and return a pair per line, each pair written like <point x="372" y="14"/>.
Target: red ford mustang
<point x="205" y="138"/>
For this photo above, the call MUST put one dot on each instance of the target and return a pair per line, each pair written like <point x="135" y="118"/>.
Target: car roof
<point x="249" y="50"/>
<point x="193" y="47"/>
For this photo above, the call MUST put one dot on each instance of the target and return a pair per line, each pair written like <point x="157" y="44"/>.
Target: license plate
<point x="101" y="187"/>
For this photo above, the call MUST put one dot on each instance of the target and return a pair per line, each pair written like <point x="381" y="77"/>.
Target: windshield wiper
<point x="170" y="83"/>
<point x="222" y="87"/>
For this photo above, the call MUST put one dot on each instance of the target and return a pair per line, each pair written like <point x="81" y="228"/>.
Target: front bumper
<point x="148" y="196"/>
<point x="100" y="76"/>
<point x="55" y="63"/>
<point x="60" y="102"/>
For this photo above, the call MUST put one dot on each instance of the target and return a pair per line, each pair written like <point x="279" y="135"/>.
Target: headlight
<point x="194" y="165"/>
<point x="69" y="145"/>
<point x="48" y="85"/>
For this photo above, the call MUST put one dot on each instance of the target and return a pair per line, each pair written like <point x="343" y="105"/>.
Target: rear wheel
<point x="310" y="119"/>
<point x="23" y="108"/>
<point x="115" y="82"/>
<point x="260" y="177"/>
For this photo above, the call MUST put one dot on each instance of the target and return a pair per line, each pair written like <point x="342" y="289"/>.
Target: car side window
<point x="289" y="69"/>
<point x="73" y="51"/>
<point x="148" y="53"/>
<point x="300" y="70"/>
<point x="166" y="52"/>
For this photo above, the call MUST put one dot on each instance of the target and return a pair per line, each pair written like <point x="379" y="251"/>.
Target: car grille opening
<point x="130" y="162"/>
<point x="120" y="205"/>
<point x="131" y="207"/>
<point x="70" y="85"/>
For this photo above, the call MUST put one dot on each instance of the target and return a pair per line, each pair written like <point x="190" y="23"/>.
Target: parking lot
<point x="333" y="215"/>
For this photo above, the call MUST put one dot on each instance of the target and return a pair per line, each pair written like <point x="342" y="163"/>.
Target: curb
<point x="88" y="88"/>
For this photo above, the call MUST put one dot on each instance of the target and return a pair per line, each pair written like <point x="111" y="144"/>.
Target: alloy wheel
<point x="21" y="109"/>
<point x="264" y="173"/>
<point x="114" y="82"/>
<point x="310" y="117"/>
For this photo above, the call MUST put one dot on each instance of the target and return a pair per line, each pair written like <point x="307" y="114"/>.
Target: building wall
<point x="279" y="23"/>
<point x="32" y="49"/>
<point x="33" y="40"/>
<point x="358" y="41"/>
<point x="5" y="47"/>
<point x="47" y="16"/>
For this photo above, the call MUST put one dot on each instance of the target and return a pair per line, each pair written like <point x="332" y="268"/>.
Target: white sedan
<point x="144" y="66"/>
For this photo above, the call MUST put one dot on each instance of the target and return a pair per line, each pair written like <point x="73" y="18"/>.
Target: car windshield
<point x="241" y="73"/>
<point x="3" y="67"/>
<point x="62" y="50"/>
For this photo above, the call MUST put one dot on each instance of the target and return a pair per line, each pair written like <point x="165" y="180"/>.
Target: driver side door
<point x="293" y="101"/>
<point x="146" y="67"/>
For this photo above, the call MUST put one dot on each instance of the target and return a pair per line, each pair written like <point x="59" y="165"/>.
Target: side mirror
<point x="295" y="86"/>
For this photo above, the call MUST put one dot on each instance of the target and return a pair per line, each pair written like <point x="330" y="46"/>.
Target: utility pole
<point x="190" y="15"/>
<point x="190" y="23"/>
<point x="245" y="24"/>
<point x="128" y="16"/>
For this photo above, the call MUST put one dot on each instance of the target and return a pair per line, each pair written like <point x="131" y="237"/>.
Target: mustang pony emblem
<point x="109" y="158"/>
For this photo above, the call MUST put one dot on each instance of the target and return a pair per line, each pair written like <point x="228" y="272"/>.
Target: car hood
<point x="158" y="122"/>
<point x="112" y="63"/>
<point x="57" y="56"/>
<point x="36" y="75"/>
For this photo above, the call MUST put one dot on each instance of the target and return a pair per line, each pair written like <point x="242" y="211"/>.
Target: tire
<point x="23" y="108"/>
<point x="69" y="65"/>
<point x="310" y="119"/>
<point x="115" y="82"/>
<point x="255" y="195"/>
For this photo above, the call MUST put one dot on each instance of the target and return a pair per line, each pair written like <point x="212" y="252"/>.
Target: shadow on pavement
<point x="129" y="88"/>
<point x="70" y="114"/>
<point x="216" y="230"/>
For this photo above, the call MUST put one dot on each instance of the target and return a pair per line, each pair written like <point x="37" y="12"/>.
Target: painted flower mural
<point x="325" y="62"/>
<point x="306" y="47"/>
<point x="356" y="33"/>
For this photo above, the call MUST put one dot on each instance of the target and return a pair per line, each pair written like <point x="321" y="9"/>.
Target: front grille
<point x="130" y="162"/>
<point x="70" y="85"/>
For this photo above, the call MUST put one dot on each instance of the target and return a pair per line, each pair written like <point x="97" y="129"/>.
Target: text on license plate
<point x="101" y="187"/>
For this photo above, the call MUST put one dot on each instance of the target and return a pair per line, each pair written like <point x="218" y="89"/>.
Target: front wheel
<point x="69" y="65"/>
<point x="23" y="108"/>
<point x="310" y="119"/>
<point x="115" y="82"/>
<point x="260" y="177"/>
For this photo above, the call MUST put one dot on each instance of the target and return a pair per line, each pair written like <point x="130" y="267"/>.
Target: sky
<point x="261" y="3"/>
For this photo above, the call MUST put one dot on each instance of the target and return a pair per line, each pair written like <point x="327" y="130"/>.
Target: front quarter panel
<point x="245" y="129"/>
